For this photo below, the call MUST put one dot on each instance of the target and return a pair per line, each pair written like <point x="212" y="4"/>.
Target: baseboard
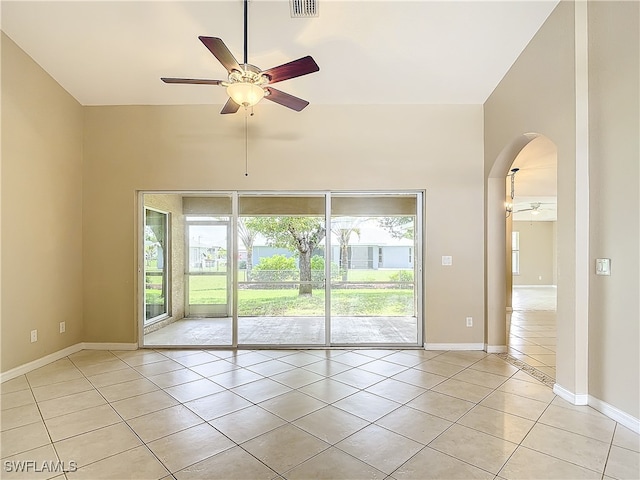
<point x="572" y="398"/>
<point x="616" y="414"/>
<point x="495" y="348"/>
<point x="65" y="352"/>
<point x="454" y="346"/>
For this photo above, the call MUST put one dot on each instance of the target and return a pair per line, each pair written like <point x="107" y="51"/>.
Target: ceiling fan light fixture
<point x="245" y="93"/>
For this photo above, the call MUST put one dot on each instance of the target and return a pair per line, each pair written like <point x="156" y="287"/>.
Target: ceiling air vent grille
<point x="303" y="8"/>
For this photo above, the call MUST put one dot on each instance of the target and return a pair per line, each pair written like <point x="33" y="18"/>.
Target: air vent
<point x="303" y="8"/>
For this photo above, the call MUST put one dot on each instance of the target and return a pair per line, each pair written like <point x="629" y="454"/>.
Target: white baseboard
<point x="569" y="396"/>
<point x="616" y="414"/>
<point x="65" y="352"/>
<point x="454" y="346"/>
<point x="496" y="348"/>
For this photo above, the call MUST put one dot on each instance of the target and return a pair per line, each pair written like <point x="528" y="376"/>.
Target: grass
<point x="208" y="290"/>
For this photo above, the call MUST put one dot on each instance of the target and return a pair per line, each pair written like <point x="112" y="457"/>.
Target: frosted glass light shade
<point x="245" y="94"/>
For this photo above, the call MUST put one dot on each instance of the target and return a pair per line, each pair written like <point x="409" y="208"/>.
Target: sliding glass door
<point x="156" y="269"/>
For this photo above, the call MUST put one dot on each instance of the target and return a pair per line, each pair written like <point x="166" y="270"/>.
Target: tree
<point x="247" y="236"/>
<point x="398" y="227"/>
<point x="298" y="234"/>
<point x="343" y="228"/>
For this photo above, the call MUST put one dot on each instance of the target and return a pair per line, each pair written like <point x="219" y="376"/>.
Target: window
<point x="156" y="265"/>
<point x="515" y="253"/>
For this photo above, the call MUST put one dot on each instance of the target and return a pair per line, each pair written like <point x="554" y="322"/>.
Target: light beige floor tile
<point x="296" y="378"/>
<point x="406" y="359"/>
<point x="236" y="378"/>
<point x="89" y="369"/>
<point x="14" y="385"/>
<point x="247" y="423"/>
<point x="245" y="359"/>
<point x="232" y="464"/>
<point x="214" y="368"/>
<point x="111" y="378"/>
<point x="375" y="352"/>
<point x="333" y="464"/>
<point x="395" y="390"/>
<point x="70" y="403"/>
<point x="383" y="367"/>
<point x="462" y="358"/>
<point x="61" y="389"/>
<point x="16" y="399"/>
<point x="352" y="359"/>
<point x="481" y="378"/>
<point x="197" y="389"/>
<point x="82" y="421"/>
<point x="476" y="448"/>
<point x="380" y="448"/>
<point x="261" y="390"/>
<point x="429" y="464"/>
<point x="530" y="390"/>
<point x="414" y="424"/>
<point x="438" y="367"/>
<point x="217" y="405"/>
<point x="19" y="416"/>
<point x="285" y="447"/>
<point x="358" y="378"/>
<point x="156" y="368"/>
<point x="58" y="371"/>
<point x="164" y="422"/>
<point x="136" y="358"/>
<point x="626" y="438"/>
<point x="131" y="388"/>
<point x="292" y="405"/>
<point x="331" y="424"/>
<point x="21" y="439"/>
<point x="328" y="390"/>
<point x="623" y="464"/>
<point x="39" y="463"/>
<point x="175" y="354"/>
<point x="527" y="464"/>
<point x="300" y="359"/>
<point x="196" y="359"/>
<point x="514" y="404"/>
<point x="271" y="367"/>
<point x="184" y="448"/>
<point x="525" y="377"/>
<point x="600" y="428"/>
<point x="327" y="368"/>
<point x="97" y="444"/>
<point x="463" y="390"/>
<point x="571" y="447"/>
<point x="88" y="357"/>
<point x="142" y="404"/>
<point x="499" y="424"/>
<point x="175" y="377"/>
<point x="367" y="405"/>
<point x="420" y="378"/>
<point x="440" y="405"/>
<point x="138" y="463"/>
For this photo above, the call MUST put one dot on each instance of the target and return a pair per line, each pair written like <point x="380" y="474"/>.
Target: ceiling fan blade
<point x="285" y="99"/>
<point x="230" y="107"/>
<point x="296" y="68"/>
<point x="193" y="81"/>
<point x="221" y="52"/>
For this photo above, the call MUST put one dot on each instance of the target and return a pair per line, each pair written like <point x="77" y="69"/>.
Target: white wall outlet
<point x="63" y="327"/>
<point x="469" y="321"/>
<point x="447" y="260"/>
<point x="34" y="336"/>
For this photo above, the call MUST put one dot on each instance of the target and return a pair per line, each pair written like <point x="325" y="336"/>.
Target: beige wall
<point x="436" y="148"/>
<point x="41" y="211"/>
<point x="614" y="100"/>
<point x="536" y="253"/>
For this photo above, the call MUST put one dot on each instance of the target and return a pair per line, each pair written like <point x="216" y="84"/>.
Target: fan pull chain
<point x="246" y="142"/>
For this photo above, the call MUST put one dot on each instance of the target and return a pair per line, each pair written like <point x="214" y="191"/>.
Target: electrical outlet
<point x="469" y="321"/>
<point x="63" y="327"/>
<point x="34" y="336"/>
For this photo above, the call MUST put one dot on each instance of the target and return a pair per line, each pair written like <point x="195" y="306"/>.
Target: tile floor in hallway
<point x="294" y="414"/>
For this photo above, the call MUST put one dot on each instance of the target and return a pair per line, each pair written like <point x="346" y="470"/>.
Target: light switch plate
<point x="447" y="260"/>
<point x="603" y="266"/>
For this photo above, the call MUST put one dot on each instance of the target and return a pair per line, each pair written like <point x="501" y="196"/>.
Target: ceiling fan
<point x="247" y="84"/>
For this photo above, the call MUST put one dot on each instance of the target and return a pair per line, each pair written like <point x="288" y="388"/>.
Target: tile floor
<point x="532" y="333"/>
<point x="295" y="414"/>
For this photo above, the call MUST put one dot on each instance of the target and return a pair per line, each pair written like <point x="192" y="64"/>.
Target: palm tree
<point x="247" y="237"/>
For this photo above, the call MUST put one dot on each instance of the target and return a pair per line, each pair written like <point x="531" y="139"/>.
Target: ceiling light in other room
<point x="245" y="93"/>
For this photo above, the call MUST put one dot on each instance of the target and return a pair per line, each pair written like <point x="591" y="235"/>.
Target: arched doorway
<point x="522" y="193"/>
